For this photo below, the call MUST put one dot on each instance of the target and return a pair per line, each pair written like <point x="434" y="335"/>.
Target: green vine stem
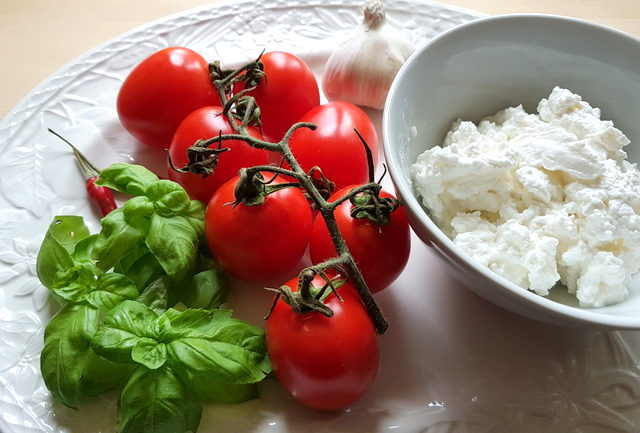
<point x="251" y="73"/>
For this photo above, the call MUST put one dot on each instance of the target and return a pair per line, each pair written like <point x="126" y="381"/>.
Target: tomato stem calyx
<point x="252" y="187"/>
<point x="309" y="298"/>
<point x="322" y="183"/>
<point x="203" y="160"/>
<point x="371" y="206"/>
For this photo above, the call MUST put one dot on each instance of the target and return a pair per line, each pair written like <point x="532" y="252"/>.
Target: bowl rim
<point x="583" y="315"/>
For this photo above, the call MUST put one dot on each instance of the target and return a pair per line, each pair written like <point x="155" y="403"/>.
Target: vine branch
<point x="240" y="109"/>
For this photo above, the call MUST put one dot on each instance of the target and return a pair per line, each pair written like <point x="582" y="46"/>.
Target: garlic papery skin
<point x="362" y="68"/>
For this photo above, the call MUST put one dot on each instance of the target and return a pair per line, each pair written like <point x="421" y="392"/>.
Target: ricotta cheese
<point x="540" y="199"/>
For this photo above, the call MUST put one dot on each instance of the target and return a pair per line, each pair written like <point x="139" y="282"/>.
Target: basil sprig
<point x="194" y="340"/>
<point x="161" y="215"/>
<point x="141" y="311"/>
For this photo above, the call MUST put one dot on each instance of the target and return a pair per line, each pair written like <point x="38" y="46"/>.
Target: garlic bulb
<point x="362" y="68"/>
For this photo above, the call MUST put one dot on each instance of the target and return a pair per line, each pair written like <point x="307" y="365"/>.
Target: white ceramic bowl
<point x="479" y="68"/>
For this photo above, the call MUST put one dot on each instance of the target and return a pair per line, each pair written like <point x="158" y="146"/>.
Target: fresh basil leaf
<point x="205" y="261"/>
<point x="156" y="295"/>
<point x="229" y="362"/>
<point x="85" y="282"/>
<point x="195" y="210"/>
<point x="247" y="337"/>
<point x="83" y="251"/>
<point x="207" y="289"/>
<point x="162" y="328"/>
<point x="59" y="243"/>
<point x="67" y="352"/>
<point x="70" y="369"/>
<point x="116" y="239"/>
<point x="208" y="388"/>
<point x="118" y="284"/>
<point x="160" y="294"/>
<point x="172" y="313"/>
<point x="174" y="244"/>
<point x="75" y="283"/>
<point x="129" y="178"/>
<point x="149" y="353"/>
<point x="140" y="266"/>
<point x="101" y="375"/>
<point x="123" y="327"/>
<point x="137" y="212"/>
<point x="68" y="230"/>
<point x="196" y="322"/>
<point x="195" y="215"/>
<point x="169" y="198"/>
<point x="205" y="341"/>
<point x="127" y="263"/>
<point x="112" y="289"/>
<point x="156" y="401"/>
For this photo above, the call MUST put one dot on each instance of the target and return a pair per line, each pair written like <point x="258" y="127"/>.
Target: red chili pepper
<point x="101" y="195"/>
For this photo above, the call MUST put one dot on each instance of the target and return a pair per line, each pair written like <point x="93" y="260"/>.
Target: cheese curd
<point x="540" y="198"/>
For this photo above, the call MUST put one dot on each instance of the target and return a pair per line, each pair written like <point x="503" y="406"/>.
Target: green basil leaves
<point x="141" y="311"/>
<point x="197" y="340"/>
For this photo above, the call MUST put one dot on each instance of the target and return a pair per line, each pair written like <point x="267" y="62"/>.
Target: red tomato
<point x="204" y="123"/>
<point x="289" y="90"/>
<point x="334" y="146"/>
<point x="324" y="362"/>
<point x="262" y="242"/>
<point x="380" y="251"/>
<point x="161" y="91"/>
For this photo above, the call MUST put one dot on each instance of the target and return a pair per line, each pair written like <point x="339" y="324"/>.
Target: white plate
<point x="450" y="362"/>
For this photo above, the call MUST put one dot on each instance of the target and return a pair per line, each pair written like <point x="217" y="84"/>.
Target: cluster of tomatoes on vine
<point x="169" y="101"/>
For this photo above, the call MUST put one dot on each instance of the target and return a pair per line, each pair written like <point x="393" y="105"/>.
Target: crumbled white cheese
<point x="540" y="198"/>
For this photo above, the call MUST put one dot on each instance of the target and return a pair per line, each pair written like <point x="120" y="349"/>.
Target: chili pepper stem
<point x="101" y="196"/>
<point x="88" y="169"/>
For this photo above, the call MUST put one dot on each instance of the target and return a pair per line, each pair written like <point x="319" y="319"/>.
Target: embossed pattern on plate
<point x="450" y="363"/>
